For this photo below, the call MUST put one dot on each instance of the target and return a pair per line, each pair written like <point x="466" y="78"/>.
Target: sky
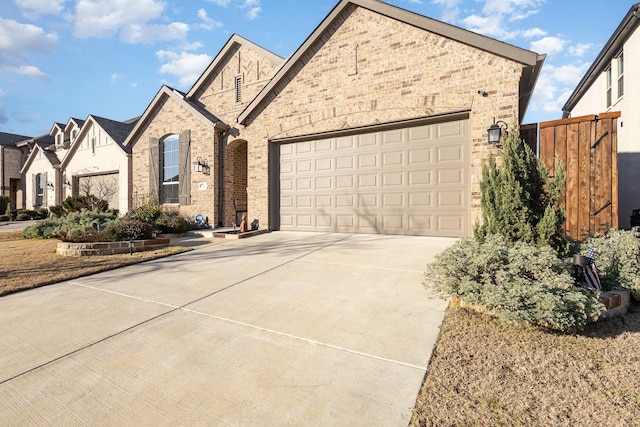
<point x="71" y="58"/>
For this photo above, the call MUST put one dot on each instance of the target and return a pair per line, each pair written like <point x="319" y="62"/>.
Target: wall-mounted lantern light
<point x="201" y="165"/>
<point x="495" y="131"/>
<point x="67" y="184"/>
<point x="50" y="184"/>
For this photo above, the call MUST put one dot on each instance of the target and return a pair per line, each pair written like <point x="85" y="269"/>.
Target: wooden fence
<point x="588" y="147"/>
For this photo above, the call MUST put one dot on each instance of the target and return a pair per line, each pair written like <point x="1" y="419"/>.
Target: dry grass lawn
<point x="487" y="373"/>
<point x="26" y="264"/>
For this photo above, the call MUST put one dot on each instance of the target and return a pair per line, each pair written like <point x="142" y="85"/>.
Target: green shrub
<point x="56" y="211"/>
<point x="13" y="214"/>
<point x="128" y="229"/>
<point x="617" y="255"/>
<point x="79" y="203"/>
<point x="40" y="213"/>
<point x="519" y="200"/>
<point x="148" y="212"/>
<point x="23" y="216"/>
<point x="5" y="218"/>
<point x="172" y="222"/>
<point x="75" y="226"/>
<point x="516" y="282"/>
<point x="4" y="204"/>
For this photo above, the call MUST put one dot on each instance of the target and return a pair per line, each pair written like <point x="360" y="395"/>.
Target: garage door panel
<point x="403" y="181"/>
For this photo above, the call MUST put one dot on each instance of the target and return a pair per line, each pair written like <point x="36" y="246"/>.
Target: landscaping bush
<point x="23" y="216"/>
<point x="57" y="211"/>
<point x="148" y="212"/>
<point x="617" y="255"/>
<point x="5" y="217"/>
<point x="40" y="213"/>
<point x="4" y="204"/>
<point x="13" y="214"/>
<point x="516" y="282"/>
<point x="172" y="222"/>
<point x="519" y="200"/>
<point x="74" y="226"/>
<point x="128" y="229"/>
<point x="79" y="203"/>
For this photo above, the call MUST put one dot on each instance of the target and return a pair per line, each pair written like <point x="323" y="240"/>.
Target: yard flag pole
<point x="591" y="272"/>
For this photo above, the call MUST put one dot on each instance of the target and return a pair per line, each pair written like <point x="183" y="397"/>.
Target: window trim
<point x="620" y="68"/>
<point x="608" y="86"/>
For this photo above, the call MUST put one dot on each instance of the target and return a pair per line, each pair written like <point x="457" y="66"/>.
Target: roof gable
<point x="48" y="154"/>
<point x="179" y="97"/>
<point x="615" y="43"/>
<point x="11" y="139"/>
<point x="532" y="61"/>
<point x="221" y="58"/>
<point x="118" y="131"/>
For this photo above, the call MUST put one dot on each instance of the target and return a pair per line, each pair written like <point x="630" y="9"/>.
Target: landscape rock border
<point x="110" y="248"/>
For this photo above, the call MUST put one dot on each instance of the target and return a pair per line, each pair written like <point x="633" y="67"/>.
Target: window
<point x="59" y="139"/>
<point x="238" y="87"/>
<point x="620" y="74"/>
<point x="170" y="169"/>
<point x="74" y="135"/>
<point x="608" y="82"/>
<point x="39" y="199"/>
<point x="93" y="145"/>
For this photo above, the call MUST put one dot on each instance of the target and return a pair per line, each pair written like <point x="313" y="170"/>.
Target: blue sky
<point x="71" y="58"/>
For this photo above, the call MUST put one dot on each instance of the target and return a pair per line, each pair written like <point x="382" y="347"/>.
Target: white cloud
<point x="221" y="3"/>
<point x="17" y="40"/>
<point x="41" y="7"/>
<point x="28" y="71"/>
<point x="207" y="22"/>
<point x="128" y="18"/>
<point x="548" y="45"/>
<point x="187" y="67"/>
<point x="534" y="32"/>
<point x="555" y="85"/>
<point x="254" y="8"/>
<point x="115" y="77"/>
<point x="580" y="49"/>
<point x="253" y="13"/>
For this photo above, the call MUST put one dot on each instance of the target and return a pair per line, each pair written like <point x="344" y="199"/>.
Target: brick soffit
<point x="531" y="60"/>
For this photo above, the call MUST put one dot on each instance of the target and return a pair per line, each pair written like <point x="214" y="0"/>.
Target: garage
<point x="104" y="186"/>
<point x="408" y="181"/>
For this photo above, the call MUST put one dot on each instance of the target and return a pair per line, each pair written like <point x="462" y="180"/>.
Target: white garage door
<point x="412" y="181"/>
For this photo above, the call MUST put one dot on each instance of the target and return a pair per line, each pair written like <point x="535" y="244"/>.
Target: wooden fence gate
<point x="588" y="148"/>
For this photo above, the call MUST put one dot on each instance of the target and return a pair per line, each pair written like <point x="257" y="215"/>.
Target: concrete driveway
<point x="279" y="329"/>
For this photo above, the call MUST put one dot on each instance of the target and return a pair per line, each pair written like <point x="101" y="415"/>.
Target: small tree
<point x="519" y="200"/>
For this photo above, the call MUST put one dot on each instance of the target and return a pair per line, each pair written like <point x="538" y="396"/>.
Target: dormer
<point x="57" y="132"/>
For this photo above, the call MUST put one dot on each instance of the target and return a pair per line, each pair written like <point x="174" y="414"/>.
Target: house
<point x="12" y="158"/>
<point x="604" y="88"/>
<point x="98" y="163"/>
<point x="80" y="157"/>
<point x="376" y="124"/>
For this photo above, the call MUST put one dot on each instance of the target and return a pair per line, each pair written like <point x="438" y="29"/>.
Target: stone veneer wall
<point x="399" y="72"/>
<point x="172" y="118"/>
<point x="109" y="248"/>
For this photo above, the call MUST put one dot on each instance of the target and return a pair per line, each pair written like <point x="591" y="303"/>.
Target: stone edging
<point x="109" y="248"/>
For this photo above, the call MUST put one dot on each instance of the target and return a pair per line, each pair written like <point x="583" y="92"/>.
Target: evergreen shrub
<point x="172" y="222"/>
<point x="519" y="200"/>
<point x="516" y="282"/>
<point x="128" y="228"/>
<point x="4" y="204"/>
<point x="75" y="226"/>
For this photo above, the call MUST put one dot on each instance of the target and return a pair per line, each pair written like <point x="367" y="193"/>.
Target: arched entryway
<point x="235" y="181"/>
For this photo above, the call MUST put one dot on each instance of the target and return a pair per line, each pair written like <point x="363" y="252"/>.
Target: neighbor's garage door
<point x="103" y="186"/>
<point x="412" y="181"/>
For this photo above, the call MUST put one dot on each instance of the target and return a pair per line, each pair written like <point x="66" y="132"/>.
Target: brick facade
<point x="367" y="69"/>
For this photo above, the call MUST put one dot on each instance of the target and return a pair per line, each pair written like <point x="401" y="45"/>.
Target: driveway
<point x="279" y="329"/>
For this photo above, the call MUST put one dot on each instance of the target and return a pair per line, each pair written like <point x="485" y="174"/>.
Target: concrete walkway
<point x="280" y="329"/>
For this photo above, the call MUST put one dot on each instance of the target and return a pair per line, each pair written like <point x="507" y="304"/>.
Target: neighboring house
<point x="605" y="88"/>
<point x="80" y="157"/>
<point x="41" y="173"/>
<point x="12" y="157"/>
<point x="376" y="124"/>
<point x="98" y="163"/>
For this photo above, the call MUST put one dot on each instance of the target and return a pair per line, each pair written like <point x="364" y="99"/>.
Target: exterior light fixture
<point x="50" y="184"/>
<point x="201" y="165"/>
<point x="495" y="131"/>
